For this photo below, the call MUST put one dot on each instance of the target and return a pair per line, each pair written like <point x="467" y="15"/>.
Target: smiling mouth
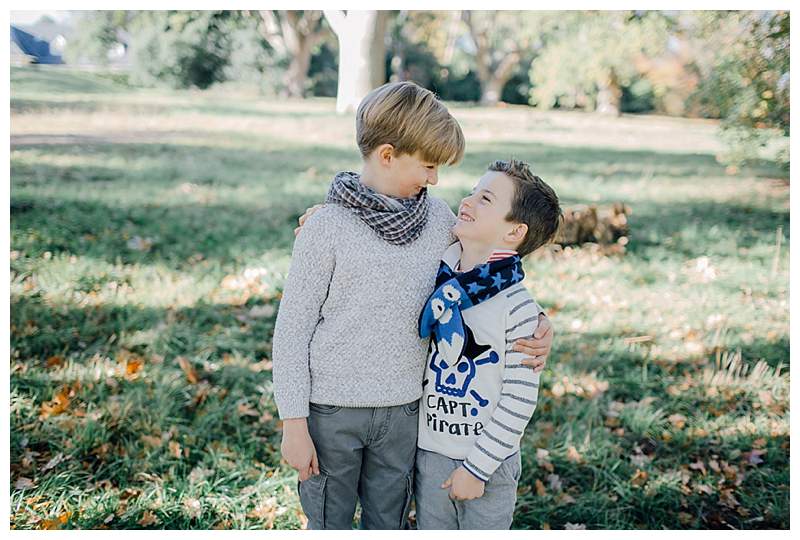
<point x="464" y="217"/>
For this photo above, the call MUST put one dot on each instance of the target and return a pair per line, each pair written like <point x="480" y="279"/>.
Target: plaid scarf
<point x="398" y="221"/>
<point x="455" y="292"/>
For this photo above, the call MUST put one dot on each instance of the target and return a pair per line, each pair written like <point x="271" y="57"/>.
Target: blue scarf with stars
<point x="441" y="316"/>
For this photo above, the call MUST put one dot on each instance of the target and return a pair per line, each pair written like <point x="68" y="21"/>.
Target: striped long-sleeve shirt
<point x="477" y="410"/>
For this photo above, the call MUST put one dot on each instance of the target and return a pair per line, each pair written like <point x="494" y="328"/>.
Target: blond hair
<point x="412" y="120"/>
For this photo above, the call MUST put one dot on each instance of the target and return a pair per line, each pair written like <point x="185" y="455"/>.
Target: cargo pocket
<point x="312" y="499"/>
<point x="407" y="505"/>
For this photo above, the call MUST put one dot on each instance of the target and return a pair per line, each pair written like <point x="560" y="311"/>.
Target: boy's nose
<point x="433" y="179"/>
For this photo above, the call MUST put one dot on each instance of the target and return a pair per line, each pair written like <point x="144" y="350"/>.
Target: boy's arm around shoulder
<point x="304" y="293"/>
<point x="518" y="396"/>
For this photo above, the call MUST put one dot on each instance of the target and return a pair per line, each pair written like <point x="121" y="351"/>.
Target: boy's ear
<point x="517" y="234"/>
<point x="385" y="153"/>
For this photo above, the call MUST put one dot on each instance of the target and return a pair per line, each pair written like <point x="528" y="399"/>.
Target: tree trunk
<point x="362" y="52"/>
<point x="609" y="94"/>
<point x="297" y="74"/>
<point x="293" y="34"/>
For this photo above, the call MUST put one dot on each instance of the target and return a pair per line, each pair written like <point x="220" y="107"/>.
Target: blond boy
<point x="348" y="362"/>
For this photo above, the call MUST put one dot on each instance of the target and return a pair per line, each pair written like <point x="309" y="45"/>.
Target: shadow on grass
<point x="29" y="105"/>
<point x="206" y="419"/>
<point x="220" y="231"/>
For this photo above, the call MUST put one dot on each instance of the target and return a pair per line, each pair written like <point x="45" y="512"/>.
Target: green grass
<point x="150" y="229"/>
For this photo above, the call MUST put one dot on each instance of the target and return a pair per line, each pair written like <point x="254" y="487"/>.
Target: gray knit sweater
<point x="346" y="332"/>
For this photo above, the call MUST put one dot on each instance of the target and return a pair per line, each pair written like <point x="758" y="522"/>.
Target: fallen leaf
<point x="753" y="457"/>
<point x="678" y="421"/>
<point x="57" y="405"/>
<point x="639" y="478"/>
<point x="55" y="460"/>
<point x="193" y="507"/>
<point x="543" y="459"/>
<point x="704" y="488"/>
<point x="573" y="455"/>
<point x="175" y="449"/>
<point x="132" y="366"/>
<point x="245" y="409"/>
<point x="726" y="497"/>
<point x="148" y="518"/>
<point x="698" y="466"/>
<point x="554" y="481"/>
<point x="565" y="498"/>
<point x="265" y="511"/>
<point x="685" y="518"/>
<point x="151" y="440"/>
<point x="54" y="361"/>
<point x="188" y="369"/>
<point x="540" y="490"/>
<point x="24" y="483"/>
<point x="574" y="527"/>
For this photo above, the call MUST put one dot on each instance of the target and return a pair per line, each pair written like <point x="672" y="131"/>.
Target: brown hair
<point x="534" y="203"/>
<point x="411" y="119"/>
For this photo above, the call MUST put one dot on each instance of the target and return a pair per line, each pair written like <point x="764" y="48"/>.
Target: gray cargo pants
<point x="366" y="454"/>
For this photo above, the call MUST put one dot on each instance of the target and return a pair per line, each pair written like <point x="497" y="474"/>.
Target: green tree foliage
<point x="182" y="48"/>
<point x="95" y="33"/>
<point x="743" y="60"/>
<point x="590" y="56"/>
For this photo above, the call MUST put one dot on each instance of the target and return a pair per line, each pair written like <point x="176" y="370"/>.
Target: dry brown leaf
<point x="639" y="478"/>
<point x="265" y="511"/>
<point x="193" y="507"/>
<point x="565" y="498"/>
<point x="685" y="518"/>
<point x="245" y="409"/>
<point x="54" y="361"/>
<point x="573" y="455"/>
<point x="678" y="421"/>
<point x="543" y="459"/>
<point x="175" y="449"/>
<point x="148" y="518"/>
<point x="704" y="488"/>
<point x="24" y="483"/>
<point x="540" y="489"/>
<point x="133" y="365"/>
<point x="151" y="440"/>
<point x="57" y="405"/>
<point x="188" y="369"/>
<point x="303" y="519"/>
<point x="726" y="497"/>
<point x="55" y="460"/>
<point x="698" y="466"/>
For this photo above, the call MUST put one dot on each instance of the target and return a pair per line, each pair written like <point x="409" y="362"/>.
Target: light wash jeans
<point x="435" y="509"/>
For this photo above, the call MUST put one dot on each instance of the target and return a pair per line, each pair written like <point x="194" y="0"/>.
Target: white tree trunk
<point x="361" y="54"/>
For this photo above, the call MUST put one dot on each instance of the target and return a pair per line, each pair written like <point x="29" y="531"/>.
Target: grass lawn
<point x="150" y="236"/>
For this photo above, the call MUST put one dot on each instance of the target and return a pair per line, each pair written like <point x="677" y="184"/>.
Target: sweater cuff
<point x="287" y="411"/>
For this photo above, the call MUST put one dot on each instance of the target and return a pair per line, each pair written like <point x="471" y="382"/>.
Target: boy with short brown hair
<point x="477" y="397"/>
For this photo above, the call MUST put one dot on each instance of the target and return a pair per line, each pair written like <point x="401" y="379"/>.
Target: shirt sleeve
<point x="518" y="397"/>
<point x="304" y="293"/>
